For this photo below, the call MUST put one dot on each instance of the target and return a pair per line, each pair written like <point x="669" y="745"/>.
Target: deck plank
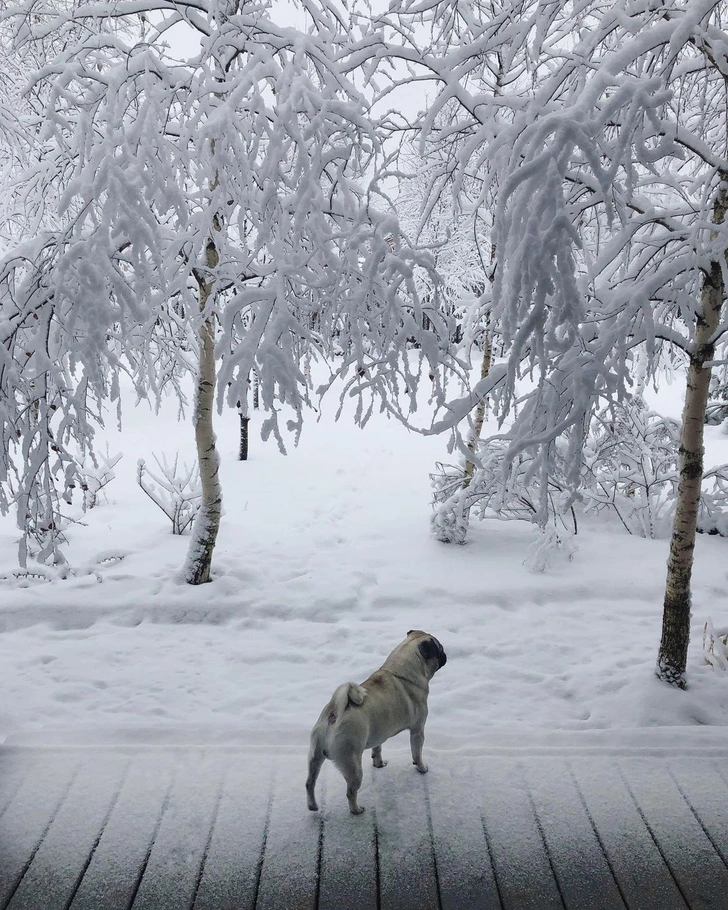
<point x="520" y="857"/>
<point x="232" y="866"/>
<point x="13" y="773"/>
<point x="63" y="855"/>
<point x="706" y="791"/>
<point x="172" y="871"/>
<point x="643" y="877"/>
<point x="112" y="876"/>
<point x="580" y="865"/>
<point x="684" y="845"/>
<point x="464" y="866"/>
<point x="29" y="816"/>
<point x="222" y="828"/>
<point x="349" y="858"/>
<point x="289" y="872"/>
<point x="407" y="872"/>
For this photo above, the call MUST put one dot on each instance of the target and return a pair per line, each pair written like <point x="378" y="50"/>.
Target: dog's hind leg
<point x="316" y="759"/>
<point x="377" y="759"/>
<point x="350" y="767"/>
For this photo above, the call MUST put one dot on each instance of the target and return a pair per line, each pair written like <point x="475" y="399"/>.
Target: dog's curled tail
<point x="348" y="693"/>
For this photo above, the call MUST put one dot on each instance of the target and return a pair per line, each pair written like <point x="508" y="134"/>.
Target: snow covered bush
<point x="94" y="476"/>
<point x="631" y="467"/>
<point x="500" y="486"/>
<point x="44" y="525"/>
<point x="451" y="504"/>
<point x="713" y="511"/>
<point x="716" y="411"/>
<point x="549" y="545"/>
<point x="177" y="492"/>
<point x="715" y="646"/>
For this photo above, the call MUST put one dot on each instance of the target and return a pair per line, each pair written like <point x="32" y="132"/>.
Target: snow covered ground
<point x="324" y="561"/>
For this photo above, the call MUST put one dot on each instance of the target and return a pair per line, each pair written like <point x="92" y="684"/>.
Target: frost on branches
<point x="631" y="467"/>
<point x="218" y="212"/>
<point x="606" y="147"/>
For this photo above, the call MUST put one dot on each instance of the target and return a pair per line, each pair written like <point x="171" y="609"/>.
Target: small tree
<point x="631" y="467"/>
<point x="607" y="146"/>
<point x="94" y="477"/>
<point x="177" y="492"/>
<point x="213" y="204"/>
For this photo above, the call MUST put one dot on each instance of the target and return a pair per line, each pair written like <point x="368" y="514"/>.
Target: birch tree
<point x="226" y="195"/>
<point x="610" y="231"/>
<point x="642" y="145"/>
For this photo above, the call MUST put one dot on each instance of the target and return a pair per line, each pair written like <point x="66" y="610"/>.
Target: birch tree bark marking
<point x="207" y="521"/>
<point x="672" y="655"/>
<point x="480" y="409"/>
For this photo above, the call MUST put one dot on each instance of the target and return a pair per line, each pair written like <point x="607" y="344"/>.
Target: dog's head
<point x="430" y="648"/>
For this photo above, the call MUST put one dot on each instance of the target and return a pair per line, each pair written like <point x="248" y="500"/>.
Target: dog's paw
<point x="382" y="763"/>
<point x="313" y="806"/>
<point x="421" y="767"/>
<point x="357" y="811"/>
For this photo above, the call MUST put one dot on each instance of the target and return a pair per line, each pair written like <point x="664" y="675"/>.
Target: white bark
<point x="207" y="523"/>
<point x="480" y="409"/>
<point x="672" y="656"/>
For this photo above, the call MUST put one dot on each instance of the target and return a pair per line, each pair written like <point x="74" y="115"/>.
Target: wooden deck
<point x="218" y="828"/>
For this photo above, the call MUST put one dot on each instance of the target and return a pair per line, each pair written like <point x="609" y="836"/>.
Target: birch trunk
<point x="488" y="343"/>
<point x="244" y="428"/>
<point x="672" y="656"/>
<point x="207" y="521"/>
<point x="244" y="422"/>
<point x="480" y="410"/>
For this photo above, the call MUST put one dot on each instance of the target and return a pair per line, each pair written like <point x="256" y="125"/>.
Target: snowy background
<point x="324" y="561"/>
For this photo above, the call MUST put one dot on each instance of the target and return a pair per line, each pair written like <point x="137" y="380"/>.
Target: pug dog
<point x="394" y="698"/>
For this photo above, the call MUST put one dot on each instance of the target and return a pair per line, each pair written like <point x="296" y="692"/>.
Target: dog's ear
<point x="431" y="649"/>
<point x="410" y="632"/>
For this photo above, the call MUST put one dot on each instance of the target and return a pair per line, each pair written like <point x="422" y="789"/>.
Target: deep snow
<point x="324" y="561"/>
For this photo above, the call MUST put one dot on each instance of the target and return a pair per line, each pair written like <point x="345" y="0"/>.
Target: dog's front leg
<point x="417" y="740"/>
<point x="377" y="759"/>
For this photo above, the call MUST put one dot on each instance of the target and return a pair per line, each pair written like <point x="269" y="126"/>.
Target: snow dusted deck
<point x="225" y="827"/>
